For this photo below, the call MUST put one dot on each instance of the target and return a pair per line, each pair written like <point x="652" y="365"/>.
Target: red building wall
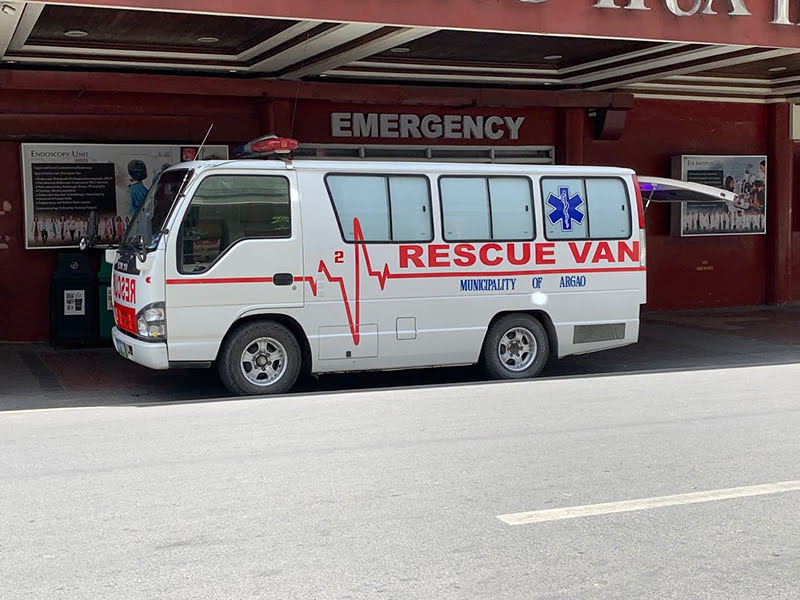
<point x="24" y="275"/>
<point x="699" y="271"/>
<point x="732" y="268"/>
<point x="795" y="217"/>
<point x="91" y="117"/>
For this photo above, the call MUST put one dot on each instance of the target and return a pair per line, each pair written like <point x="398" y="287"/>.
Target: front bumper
<point x="149" y="354"/>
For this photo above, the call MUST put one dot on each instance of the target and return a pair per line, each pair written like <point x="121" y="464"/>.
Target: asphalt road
<point x="396" y="494"/>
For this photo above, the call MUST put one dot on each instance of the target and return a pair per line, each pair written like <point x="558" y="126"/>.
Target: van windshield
<point x="148" y="221"/>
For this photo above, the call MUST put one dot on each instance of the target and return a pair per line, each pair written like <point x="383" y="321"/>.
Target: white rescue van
<point x="270" y="268"/>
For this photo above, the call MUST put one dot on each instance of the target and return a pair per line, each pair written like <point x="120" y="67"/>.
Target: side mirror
<point x="141" y="249"/>
<point x="87" y="241"/>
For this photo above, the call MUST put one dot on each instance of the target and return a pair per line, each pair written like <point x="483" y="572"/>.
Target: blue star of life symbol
<point x="565" y="208"/>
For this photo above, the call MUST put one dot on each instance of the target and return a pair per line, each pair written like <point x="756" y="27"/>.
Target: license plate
<point x="121" y="348"/>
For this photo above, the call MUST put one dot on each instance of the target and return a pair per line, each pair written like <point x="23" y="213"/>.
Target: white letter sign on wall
<point x="675" y="9"/>
<point x="632" y="4"/>
<point x="782" y="13"/>
<point x="738" y="7"/>
<point x="410" y="126"/>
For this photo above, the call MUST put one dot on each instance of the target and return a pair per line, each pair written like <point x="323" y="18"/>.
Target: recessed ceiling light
<point x="400" y="50"/>
<point x="208" y="39"/>
<point x="777" y="69"/>
<point x="76" y="33"/>
<point x="553" y="57"/>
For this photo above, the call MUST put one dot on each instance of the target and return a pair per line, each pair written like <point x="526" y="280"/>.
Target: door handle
<point x="283" y="279"/>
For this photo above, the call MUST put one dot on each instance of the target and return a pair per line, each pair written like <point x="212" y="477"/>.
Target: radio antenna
<point x="203" y="143"/>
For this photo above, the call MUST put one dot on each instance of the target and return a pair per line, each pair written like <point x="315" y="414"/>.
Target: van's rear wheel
<point x="516" y="347"/>
<point x="260" y="358"/>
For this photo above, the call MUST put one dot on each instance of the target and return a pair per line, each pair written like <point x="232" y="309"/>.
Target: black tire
<point x="253" y="343"/>
<point x="525" y="348"/>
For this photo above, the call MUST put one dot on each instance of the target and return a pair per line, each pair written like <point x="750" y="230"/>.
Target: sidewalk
<point x="39" y="376"/>
<point x="36" y="375"/>
<point x="702" y="339"/>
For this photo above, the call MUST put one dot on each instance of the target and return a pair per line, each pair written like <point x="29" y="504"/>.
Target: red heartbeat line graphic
<point x="353" y="312"/>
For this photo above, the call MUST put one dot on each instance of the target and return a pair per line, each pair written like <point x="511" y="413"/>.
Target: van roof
<point x="384" y="166"/>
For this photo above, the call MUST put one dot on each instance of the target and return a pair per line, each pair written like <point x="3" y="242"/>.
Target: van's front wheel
<point x="260" y="358"/>
<point x="516" y="347"/>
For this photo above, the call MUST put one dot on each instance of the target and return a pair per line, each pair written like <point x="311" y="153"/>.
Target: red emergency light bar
<point x="274" y="144"/>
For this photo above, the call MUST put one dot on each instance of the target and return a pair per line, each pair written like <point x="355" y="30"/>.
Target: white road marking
<point x="590" y="510"/>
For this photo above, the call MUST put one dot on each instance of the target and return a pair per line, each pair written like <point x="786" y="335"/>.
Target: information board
<point x="64" y="183"/>
<point x="746" y="176"/>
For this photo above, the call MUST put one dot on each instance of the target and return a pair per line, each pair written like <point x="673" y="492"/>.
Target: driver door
<point x="235" y="250"/>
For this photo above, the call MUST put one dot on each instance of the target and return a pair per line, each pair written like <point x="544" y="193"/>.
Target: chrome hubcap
<point x="517" y="349"/>
<point x="263" y="361"/>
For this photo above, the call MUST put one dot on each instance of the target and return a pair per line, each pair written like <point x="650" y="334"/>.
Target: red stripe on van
<point x="468" y="274"/>
<point x="419" y="275"/>
<point x="219" y="280"/>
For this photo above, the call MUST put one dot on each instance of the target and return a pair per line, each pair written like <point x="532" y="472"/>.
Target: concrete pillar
<point x="780" y="189"/>
<point x="276" y="118"/>
<point x="571" y="133"/>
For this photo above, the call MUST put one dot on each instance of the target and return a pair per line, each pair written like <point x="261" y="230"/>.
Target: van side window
<point x="229" y="208"/>
<point x="486" y="208"/>
<point x="582" y="208"/>
<point x="609" y="214"/>
<point x="389" y="208"/>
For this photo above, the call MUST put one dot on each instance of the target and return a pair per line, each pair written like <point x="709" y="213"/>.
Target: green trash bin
<point x="105" y="304"/>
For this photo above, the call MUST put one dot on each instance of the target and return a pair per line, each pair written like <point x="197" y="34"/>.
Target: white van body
<point x="378" y="265"/>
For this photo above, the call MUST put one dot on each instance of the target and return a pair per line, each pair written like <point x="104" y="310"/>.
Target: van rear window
<point x="579" y="208"/>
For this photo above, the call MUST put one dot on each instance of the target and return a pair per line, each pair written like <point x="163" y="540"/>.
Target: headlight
<point x="151" y="321"/>
<point x="156" y="313"/>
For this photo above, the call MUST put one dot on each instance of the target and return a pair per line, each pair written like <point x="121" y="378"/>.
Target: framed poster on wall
<point x="64" y="183"/>
<point x="746" y="176"/>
